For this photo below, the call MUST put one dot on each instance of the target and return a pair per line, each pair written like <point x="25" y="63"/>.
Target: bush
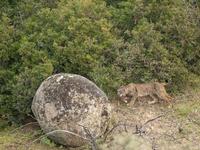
<point x="161" y="41"/>
<point x="74" y="37"/>
<point x="130" y="41"/>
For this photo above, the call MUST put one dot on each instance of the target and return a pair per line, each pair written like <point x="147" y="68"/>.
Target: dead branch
<point x="47" y="134"/>
<point x="23" y="126"/>
<point x="139" y="128"/>
<point x="85" y="137"/>
<point x="173" y="138"/>
<point x="92" y="139"/>
<point x="116" y="125"/>
<point x="151" y="120"/>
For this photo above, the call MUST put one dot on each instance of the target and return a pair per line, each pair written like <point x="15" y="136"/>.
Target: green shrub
<point x="131" y="41"/>
<point x="75" y="37"/>
<point x="161" y="41"/>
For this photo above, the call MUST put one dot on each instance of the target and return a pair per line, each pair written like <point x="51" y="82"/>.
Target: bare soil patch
<point x="148" y="127"/>
<point x="176" y="129"/>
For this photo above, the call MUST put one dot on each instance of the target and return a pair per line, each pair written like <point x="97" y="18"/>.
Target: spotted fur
<point x="155" y="90"/>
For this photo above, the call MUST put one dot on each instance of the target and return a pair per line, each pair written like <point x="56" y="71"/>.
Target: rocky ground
<point x="157" y="127"/>
<point x="140" y="127"/>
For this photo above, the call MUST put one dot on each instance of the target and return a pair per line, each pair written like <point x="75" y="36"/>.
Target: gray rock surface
<point x="68" y="97"/>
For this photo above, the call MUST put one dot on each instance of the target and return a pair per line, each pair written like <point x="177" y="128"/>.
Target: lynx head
<point x="121" y="91"/>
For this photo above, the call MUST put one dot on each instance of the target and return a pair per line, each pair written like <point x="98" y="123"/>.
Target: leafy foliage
<point x="161" y="38"/>
<point x="124" y="41"/>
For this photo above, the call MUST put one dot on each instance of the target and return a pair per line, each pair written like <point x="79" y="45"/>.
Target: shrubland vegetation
<point x="109" y="42"/>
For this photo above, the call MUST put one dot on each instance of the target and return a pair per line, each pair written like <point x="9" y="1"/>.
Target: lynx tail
<point x="165" y="83"/>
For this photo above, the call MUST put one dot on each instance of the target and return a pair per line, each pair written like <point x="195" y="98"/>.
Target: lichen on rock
<point x="67" y="97"/>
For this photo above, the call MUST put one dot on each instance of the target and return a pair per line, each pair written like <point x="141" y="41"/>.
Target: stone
<point x="63" y="100"/>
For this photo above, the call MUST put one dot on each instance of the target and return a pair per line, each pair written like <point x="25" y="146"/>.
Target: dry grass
<point x="21" y="139"/>
<point x="178" y="129"/>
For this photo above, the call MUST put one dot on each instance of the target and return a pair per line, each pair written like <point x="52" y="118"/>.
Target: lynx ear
<point x="121" y="86"/>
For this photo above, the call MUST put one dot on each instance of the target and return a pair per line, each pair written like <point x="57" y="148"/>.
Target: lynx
<point x="155" y="90"/>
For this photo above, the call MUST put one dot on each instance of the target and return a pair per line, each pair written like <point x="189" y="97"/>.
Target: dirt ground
<point x="172" y="129"/>
<point x="141" y="127"/>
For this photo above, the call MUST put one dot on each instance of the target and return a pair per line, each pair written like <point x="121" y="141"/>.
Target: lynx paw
<point x="128" y="104"/>
<point x="125" y="101"/>
<point x="150" y="103"/>
<point x="170" y="106"/>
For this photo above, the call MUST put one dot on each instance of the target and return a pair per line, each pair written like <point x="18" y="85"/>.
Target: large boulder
<point x="63" y="100"/>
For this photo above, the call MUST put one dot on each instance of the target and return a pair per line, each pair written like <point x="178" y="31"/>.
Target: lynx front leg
<point x="132" y="100"/>
<point x="125" y="99"/>
<point x="155" y="97"/>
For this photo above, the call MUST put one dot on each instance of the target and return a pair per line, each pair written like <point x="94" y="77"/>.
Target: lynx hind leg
<point x="170" y="101"/>
<point x="155" y="97"/>
<point x="165" y="96"/>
